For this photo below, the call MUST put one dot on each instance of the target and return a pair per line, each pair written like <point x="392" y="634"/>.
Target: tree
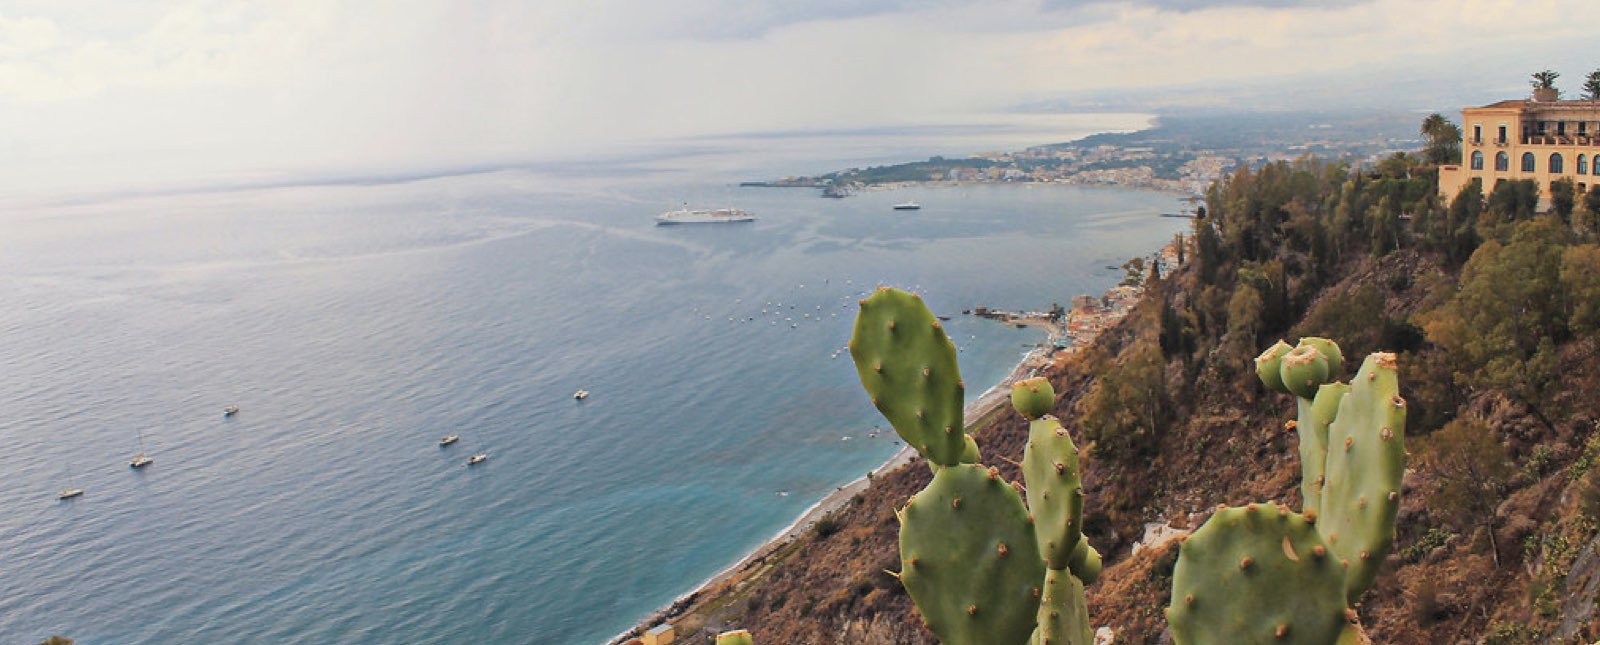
<point x="1591" y="86"/>
<point x="1580" y="280"/>
<point x="1472" y="470"/>
<point x="1562" y="198"/>
<point x="1589" y="222"/>
<point x="1444" y="140"/>
<point x="1544" y="80"/>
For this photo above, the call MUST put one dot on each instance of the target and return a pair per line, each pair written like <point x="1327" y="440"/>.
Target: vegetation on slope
<point x="1494" y="310"/>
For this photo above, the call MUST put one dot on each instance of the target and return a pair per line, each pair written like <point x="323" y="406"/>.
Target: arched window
<point x="1583" y="165"/>
<point x="1527" y="162"/>
<point x="1502" y="163"/>
<point x="1477" y="160"/>
<point x="1557" y="164"/>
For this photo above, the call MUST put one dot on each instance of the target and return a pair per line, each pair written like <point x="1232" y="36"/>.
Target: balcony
<point x="1560" y="140"/>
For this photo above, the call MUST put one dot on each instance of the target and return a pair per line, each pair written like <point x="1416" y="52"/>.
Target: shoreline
<point x="995" y="397"/>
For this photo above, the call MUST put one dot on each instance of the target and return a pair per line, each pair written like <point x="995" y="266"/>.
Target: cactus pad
<point x="1268" y="365"/>
<point x="908" y="366"/>
<point x="1257" y="574"/>
<point x="1312" y="425"/>
<point x="1063" y="615"/>
<point x="1033" y="398"/>
<point x="1366" y="459"/>
<point x="971" y="454"/>
<point x="735" y="637"/>
<point x="1055" y="490"/>
<point x="969" y="558"/>
<point x="1084" y="563"/>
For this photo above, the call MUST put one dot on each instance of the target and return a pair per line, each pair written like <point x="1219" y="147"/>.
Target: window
<point x="1477" y="133"/>
<point x="1502" y="138"/>
<point x="1502" y="163"/>
<point x="1561" y="128"/>
<point x="1583" y="128"/>
<point x="1477" y="160"/>
<point x="1557" y="165"/>
<point x="1527" y="162"/>
<point x="1583" y="165"/>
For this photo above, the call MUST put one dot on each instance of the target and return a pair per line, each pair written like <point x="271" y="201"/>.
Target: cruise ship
<point x="686" y="216"/>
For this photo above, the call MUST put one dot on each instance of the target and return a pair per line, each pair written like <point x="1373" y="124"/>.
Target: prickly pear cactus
<point x="735" y="637"/>
<point x="1033" y="398"/>
<point x="1312" y="425"/>
<point x="971" y="454"/>
<point x="1257" y="574"/>
<point x="1055" y="490"/>
<point x="969" y="558"/>
<point x="1366" y="460"/>
<point x="1268" y="365"/>
<point x="1063" y="615"/>
<point x="908" y="366"/>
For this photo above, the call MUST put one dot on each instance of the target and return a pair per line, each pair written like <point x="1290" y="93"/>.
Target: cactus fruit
<point x="735" y="637"/>
<point x="1033" y="398"/>
<point x="1257" y="574"/>
<point x="1366" y="460"/>
<point x="908" y="366"/>
<point x="1268" y="365"/>
<point x="1312" y="425"/>
<point x="971" y="455"/>
<point x="1303" y="370"/>
<point x="969" y="558"/>
<point x="1063" y="615"/>
<point x="1330" y="352"/>
<point x="1055" y="490"/>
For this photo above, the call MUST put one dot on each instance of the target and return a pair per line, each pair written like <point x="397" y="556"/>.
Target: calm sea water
<point x="355" y="325"/>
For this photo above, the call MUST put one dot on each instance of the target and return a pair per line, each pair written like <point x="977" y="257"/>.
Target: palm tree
<point x="1444" y="140"/>
<point x="1591" y="86"/>
<point x="1544" y="80"/>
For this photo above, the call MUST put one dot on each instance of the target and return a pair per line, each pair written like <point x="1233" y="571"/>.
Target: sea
<point x="355" y="321"/>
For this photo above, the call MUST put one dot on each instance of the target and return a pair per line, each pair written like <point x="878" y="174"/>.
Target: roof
<point x="1541" y="105"/>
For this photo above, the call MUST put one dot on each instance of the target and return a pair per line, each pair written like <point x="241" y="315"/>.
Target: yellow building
<point x="1542" y="140"/>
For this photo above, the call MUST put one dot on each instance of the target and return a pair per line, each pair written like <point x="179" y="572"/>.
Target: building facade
<point x="1527" y="139"/>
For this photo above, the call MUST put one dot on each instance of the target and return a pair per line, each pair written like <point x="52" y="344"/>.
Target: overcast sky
<point x="99" y="94"/>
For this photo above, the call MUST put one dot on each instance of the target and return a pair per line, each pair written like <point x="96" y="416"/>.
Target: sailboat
<point x="71" y="490"/>
<point x="140" y="460"/>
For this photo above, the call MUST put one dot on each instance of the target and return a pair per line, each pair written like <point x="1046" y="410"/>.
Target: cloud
<point x="104" y="92"/>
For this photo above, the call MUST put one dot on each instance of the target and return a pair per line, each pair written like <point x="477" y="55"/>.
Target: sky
<point x="110" y="94"/>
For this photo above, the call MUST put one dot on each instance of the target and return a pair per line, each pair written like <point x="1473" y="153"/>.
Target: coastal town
<point x="1182" y="155"/>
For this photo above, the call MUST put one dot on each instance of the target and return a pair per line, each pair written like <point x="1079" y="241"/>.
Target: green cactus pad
<point x="1084" y="563"/>
<point x="1303" y="370"/>
<point x="1312" y="425"/>
<point x="1268" y="365"/>
<point x="908" y="366"/>
<point x="971" y="455"/>
<point x="1055" y="490"/>
<point x="1256" y="574"/>
<point x="1366" y="460"/>
<point x="969" y="558"/>
<point x="1330" y="352"/>
<point x="735" y="637"/>
<point x="1033" y="398"/>
<point x="1063" y="615"/>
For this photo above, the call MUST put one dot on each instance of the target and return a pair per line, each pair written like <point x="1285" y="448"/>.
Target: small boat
<point x="477" y="459"/>
<point x="907" y="206"/>
<point x="70" y="493"/>
<point x="230" y="410"/>
<point x="449" y="439"/>
<point x="580" y="395"/>
<point x="140" y="460"/>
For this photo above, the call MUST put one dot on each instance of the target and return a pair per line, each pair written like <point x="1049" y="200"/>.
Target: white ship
<point x="686" y="216"/>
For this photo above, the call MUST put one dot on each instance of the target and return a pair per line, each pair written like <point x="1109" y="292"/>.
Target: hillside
<point x="1493" y="310"/>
